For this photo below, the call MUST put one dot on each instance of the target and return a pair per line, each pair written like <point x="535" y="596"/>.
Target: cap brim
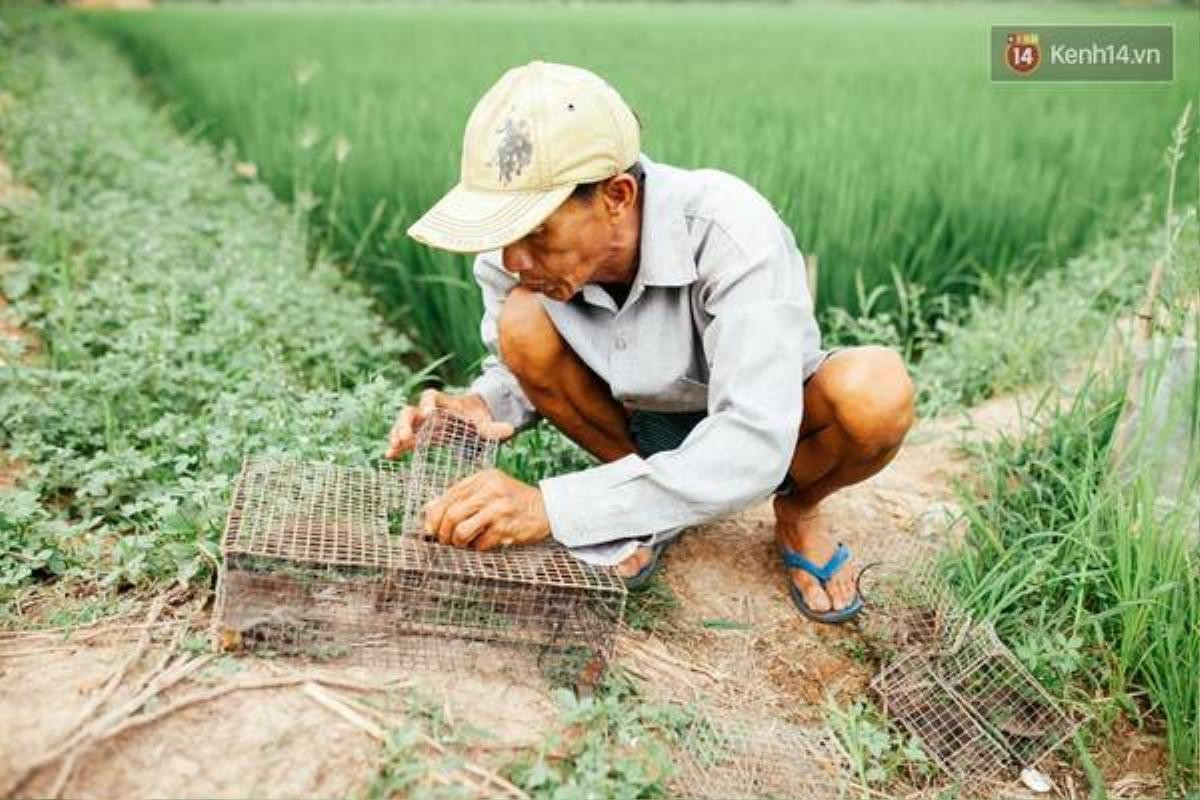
<point x="472" y="220"/>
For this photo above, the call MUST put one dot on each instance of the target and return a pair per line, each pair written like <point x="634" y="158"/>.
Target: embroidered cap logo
<point x="515" y="150"/>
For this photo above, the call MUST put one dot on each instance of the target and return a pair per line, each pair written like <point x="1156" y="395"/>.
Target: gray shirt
<point x="719" y="318"/>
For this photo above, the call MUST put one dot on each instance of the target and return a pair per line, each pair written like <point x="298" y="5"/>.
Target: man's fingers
<point x="402" y="437"/>
<point x="456" y="510"/>
<point x="497" y="431"/>
<point x="490" y="539"/>
<point x="466" y="531"/>
<point x="435" y="509"/>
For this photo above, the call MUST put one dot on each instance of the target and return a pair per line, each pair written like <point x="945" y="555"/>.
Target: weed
<point x="726" y="625"/>
<point x="651" y="607"/>
<point x="1094" y="586"/>
<point x="196" y="644"/>
<point x="540" y="452"/>
<point x="877" y="753"/>
<point x="182" y="330"/>
<point x="612" y="744"/>
<point x="408" y="768"/>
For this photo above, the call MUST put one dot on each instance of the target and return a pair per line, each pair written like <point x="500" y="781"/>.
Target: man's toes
<point x="814" y="596"/>
<point x="841" y="592"/>
<point x="633" y="564"/>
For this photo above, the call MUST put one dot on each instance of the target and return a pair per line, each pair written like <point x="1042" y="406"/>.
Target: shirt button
<point x="619" y="343"/>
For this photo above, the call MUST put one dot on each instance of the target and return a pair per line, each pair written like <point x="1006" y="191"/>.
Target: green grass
<point x="652" y="607"/>
<point x="1079" y="550"/>
<point x="1092" y="583"/>
<point x="874" y="130"/>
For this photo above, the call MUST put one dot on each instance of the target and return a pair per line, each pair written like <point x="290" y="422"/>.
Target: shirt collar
<point x="665" y="251"/>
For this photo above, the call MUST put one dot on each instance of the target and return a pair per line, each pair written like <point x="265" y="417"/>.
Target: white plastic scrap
<point x="1036" y="781"/>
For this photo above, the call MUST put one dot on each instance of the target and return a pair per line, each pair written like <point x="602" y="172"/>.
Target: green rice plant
<point x="1015" y="332"/>
<point x="957" y="184"/>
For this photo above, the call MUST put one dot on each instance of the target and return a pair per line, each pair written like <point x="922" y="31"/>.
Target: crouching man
<point x="660" y="318"/>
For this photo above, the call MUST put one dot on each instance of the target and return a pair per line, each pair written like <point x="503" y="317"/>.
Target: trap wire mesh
<point x="723" y="757"/>
<point x="326" y="562"/>
<point x="952" y="683"/>
<point x="910" y="606"/>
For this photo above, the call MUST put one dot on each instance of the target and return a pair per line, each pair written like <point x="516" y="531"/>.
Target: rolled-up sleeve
<point x="760" y="331"/>
<point x="496" y="383"/>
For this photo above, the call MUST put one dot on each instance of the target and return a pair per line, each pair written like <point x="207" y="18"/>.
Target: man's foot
<point x="807" y="533"/>
<point x="633" y="564"/>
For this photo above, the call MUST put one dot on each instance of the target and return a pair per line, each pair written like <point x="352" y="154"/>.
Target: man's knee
<point x="872" y="396"/>
<point x="529" y="344"/>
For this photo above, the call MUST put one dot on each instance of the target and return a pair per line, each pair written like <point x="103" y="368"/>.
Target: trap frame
<point x="327" y="562"/>
<point x="950" y="682"/>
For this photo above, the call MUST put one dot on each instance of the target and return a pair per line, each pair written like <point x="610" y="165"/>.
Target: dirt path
<point x="735" y="613"/>
<point x="273" y="742"/>
<point x="734" y="639"/>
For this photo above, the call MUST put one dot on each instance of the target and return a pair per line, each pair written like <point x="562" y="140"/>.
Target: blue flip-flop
<point x="823" y="574"/>
<point x="642" y="577"/>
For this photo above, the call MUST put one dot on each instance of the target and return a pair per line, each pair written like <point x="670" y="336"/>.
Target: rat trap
<point x="330" y="563"/>
<point x="950" y="682"/>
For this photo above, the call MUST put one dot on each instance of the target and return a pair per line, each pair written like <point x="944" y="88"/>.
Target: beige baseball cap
<point x="538" y="132"/>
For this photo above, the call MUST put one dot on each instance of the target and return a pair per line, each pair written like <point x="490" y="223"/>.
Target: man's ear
<point x="619" y="193"/>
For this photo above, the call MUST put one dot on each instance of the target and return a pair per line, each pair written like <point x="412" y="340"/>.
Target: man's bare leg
<point x="564" y="389"/>
<point x="857" y="409"/>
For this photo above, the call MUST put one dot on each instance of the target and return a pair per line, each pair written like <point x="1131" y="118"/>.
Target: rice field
<point x="162" y="316"/>
<point x="873" y="129"/>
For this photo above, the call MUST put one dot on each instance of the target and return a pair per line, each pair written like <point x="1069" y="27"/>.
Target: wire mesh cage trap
<point x="910" y="606"/>
<point x="951" y="682"/>
<point x="326" y="562"/>
<point x="723" y="757"/>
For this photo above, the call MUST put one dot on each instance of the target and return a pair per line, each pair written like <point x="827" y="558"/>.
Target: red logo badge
<point x="1022" y="53"/>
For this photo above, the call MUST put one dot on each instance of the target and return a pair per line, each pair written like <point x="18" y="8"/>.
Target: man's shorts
<point x="658" y="431"/>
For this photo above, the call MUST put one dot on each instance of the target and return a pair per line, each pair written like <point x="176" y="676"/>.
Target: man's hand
<point x="470" y="407"/>
<point x="487" y="510"/>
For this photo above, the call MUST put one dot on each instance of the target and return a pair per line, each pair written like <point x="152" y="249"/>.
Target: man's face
<point x="566" y="251"/>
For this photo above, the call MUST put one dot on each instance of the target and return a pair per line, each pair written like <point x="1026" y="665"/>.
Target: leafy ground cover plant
<point x="181" y="323"/>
